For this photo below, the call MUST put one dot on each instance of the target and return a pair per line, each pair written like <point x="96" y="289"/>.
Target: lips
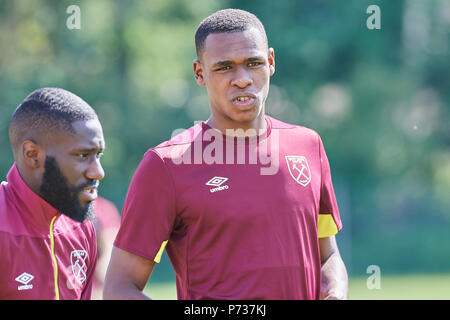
<point x="89" y="193"/>
<point x="244" y="100"/>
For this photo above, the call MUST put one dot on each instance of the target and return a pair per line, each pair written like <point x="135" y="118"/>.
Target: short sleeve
<point x="329" y="221"/>
<point x="149" y="210"/>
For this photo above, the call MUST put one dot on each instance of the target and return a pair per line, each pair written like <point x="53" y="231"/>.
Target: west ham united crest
<point x="79" y="267"/>
<point x="299" y="169"/>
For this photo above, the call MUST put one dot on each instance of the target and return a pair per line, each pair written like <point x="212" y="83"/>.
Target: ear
<point x="271" y="61"/>
<point x="198" y="72"/>
<point x="32" y="155"/>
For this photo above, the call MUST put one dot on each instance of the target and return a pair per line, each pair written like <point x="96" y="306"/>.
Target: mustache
<point x="89" y="184"/>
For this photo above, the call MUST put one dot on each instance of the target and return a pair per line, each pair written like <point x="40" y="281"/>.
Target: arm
<point x="126" y="276"/>
<point x="334" y="284"/>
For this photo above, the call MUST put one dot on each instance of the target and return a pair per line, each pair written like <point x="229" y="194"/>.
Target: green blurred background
<point x="380" y="99"/>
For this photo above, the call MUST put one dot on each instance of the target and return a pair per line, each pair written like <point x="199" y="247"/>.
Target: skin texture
<point x="231" y="65"/>
<point x="126" y="276"/>
<point x="334" y="284"/>
<point x="76" y="157"/>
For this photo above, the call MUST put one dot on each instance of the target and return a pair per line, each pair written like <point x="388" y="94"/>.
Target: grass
<point x="405" y="287"/>
<point x="161" y="291"/>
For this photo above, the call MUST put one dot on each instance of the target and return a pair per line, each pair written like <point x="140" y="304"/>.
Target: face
<point x="236" y="68"/>
<point x="73" y="170"/>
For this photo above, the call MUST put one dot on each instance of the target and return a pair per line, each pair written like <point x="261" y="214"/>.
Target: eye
<point x="99" y="155"/>
<point x="224" y="68"/>
<point x="82" y="156"/>
<point x="254" y="64"/>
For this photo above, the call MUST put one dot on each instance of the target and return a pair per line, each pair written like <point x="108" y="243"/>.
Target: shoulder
<point x="3" y="204"/>
<point x="186" y="137"/>
<point x="172" y="150"/>
<point x="294" y="130"/>
<point x="11" y="221"/>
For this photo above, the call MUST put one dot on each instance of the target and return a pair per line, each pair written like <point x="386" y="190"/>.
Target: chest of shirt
<point x="286" y="185"/>
<point x="27" y="267"/>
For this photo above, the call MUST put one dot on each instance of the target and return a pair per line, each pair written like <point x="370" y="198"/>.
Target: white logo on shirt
<point x="217" y="183"/>
<point x="79" y="267"/>
<point x="24" y="278"/>
<point x="299" y="169"/>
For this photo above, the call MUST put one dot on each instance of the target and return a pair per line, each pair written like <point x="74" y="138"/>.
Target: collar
<point x="258" y="138"/>
<point x="31" y="207"/>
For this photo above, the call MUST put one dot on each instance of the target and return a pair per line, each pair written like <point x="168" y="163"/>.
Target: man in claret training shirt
<point x="243" y="203"/>
<point x="47" y="241"/>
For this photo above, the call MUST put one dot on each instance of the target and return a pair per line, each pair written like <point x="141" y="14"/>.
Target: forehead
<point x="234" y="45"/>
<point x="87" y="134"/>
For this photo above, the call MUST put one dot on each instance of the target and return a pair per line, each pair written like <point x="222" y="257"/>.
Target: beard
<point x="64" y="198"/>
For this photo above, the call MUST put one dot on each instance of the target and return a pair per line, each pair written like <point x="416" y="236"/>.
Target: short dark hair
<point x="49" y="110"/>
<point x="227" y="20"/>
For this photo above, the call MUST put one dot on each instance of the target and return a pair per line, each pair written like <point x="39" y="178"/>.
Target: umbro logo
<point x="217" y="183"/>
<point x="25" y="278"/>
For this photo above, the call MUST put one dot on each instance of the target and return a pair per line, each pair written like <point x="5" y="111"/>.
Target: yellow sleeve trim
<point x="327" y="226"/>
<point x="160" y="252"/>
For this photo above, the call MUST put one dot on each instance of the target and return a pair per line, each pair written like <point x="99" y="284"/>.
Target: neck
<point x="28" y="177"/>
<point x="234" y="128"/>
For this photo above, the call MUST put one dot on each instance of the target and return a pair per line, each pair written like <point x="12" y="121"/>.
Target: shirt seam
<point x="321" y="179"/>
<point x="174" y="191"/>
<point x="186" y="284"/>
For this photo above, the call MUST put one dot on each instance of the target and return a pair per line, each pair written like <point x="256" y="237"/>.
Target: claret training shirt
<point x="44" y="255"/>
<point x="235" y="227"/>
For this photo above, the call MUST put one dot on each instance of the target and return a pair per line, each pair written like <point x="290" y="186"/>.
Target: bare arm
<point x="126" y="276"/>
<point x="334" y="284"/>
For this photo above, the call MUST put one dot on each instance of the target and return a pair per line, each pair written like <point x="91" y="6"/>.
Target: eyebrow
<point x="89" y="150"/>
<point x="228" y="62"/>
<point x="257" y="58"/>
<point x="222" y="63"/>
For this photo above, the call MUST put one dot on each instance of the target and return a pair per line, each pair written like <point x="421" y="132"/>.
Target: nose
<point x="242" y="78"/>
<point x="95" y="170"/>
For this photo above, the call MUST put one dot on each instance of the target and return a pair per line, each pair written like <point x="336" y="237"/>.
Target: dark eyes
<point x="254" y="64"/>
<point x="250" y="64"/>
<point x="84" y="156"/>
<point x="225" y="68"/>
